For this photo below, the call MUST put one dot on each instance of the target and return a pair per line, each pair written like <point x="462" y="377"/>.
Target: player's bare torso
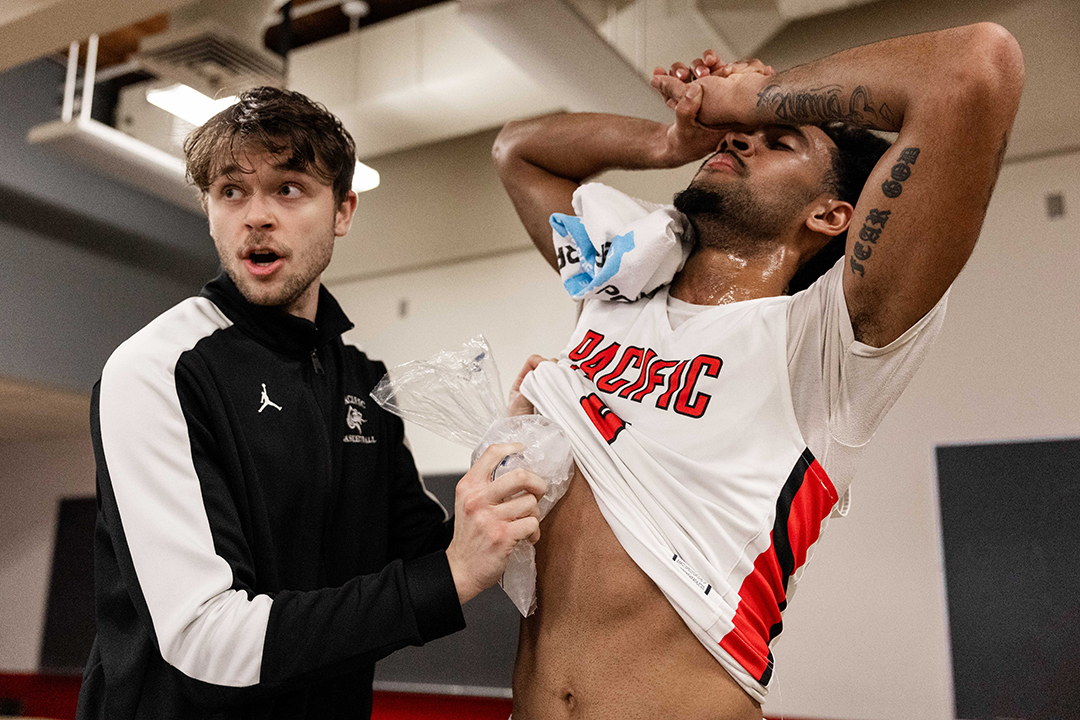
<point x="604" y="642"/>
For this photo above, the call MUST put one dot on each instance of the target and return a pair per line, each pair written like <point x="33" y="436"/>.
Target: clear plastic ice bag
<point x="457" y="394"/>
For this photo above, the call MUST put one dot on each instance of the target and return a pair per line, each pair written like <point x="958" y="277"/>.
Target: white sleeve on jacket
<point x="204" y="627"/>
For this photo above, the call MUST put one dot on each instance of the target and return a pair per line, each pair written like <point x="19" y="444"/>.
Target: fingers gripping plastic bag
<point x="457" y="394"/>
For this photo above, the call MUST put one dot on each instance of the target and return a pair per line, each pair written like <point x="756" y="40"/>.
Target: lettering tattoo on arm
<point x="868" y="233"/>
<point x="825" y="104"/>
<point x="874" y="224"/>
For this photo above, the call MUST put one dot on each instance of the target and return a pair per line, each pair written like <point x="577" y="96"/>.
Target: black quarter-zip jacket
<point x="263" y="536"/>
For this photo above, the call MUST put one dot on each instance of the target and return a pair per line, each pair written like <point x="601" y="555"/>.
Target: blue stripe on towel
<point x="571" y="226"/>
<point x="620" y="245"/>
<point x="577" y="285"/>
<point x="590" y="277"/>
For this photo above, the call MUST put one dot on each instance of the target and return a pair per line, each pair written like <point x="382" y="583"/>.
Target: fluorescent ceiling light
<point x="364" y="178"/>
<point x="187" y="103"/>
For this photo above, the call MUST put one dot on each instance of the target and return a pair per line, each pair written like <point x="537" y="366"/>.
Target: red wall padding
<point x="407" y="706"/>
<point x="48" y="696"/>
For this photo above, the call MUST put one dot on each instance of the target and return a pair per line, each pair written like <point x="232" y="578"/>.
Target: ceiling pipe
<point x="563" y="52"/>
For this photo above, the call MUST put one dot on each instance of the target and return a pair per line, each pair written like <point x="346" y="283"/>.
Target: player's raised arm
<point x="542" y="161"/>
<point x="952" y="96"/>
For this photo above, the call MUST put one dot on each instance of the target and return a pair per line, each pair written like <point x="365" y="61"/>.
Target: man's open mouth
<point x="263" y="258"/>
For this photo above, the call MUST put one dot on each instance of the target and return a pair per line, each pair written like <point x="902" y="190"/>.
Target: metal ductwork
<point x="214" y="46"/>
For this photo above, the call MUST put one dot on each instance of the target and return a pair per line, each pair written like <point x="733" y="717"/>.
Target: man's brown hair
<point x="280" y="122"/>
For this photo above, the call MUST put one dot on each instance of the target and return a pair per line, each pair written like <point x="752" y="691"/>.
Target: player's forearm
<point x="576" y="146"/>
<point x="884" y="84"/>
<point x="542" y="161"/>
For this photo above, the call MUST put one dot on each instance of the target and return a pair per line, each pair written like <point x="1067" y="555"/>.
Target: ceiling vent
<point x="210" y="59"/>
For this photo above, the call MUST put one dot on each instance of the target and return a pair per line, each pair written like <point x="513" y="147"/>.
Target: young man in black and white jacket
<point x="263" y="535"/>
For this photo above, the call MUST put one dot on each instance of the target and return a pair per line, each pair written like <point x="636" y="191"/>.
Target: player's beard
<point x="732" y="219"/>
<point x="301" y="271"/>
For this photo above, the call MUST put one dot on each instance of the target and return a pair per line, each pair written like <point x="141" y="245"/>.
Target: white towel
<point x="617" y="247"/>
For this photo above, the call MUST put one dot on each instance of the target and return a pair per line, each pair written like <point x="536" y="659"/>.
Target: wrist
<point x="737" y="101"/>
<point x="664" y="153"/>
<point x="771" y="101"/>
<point x="466" y="590"/>
<point x="760" y="111"/>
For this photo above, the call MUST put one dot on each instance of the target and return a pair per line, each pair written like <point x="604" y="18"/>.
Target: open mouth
<point x="263" y="259"/>
<point x="263" y="263"/>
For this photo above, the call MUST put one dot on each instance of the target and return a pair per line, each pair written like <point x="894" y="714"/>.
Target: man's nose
<point x="259" y="212"/>
<point x="737" y="142"/>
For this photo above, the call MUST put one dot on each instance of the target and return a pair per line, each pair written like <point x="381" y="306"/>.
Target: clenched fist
<point x="490" y="517"/>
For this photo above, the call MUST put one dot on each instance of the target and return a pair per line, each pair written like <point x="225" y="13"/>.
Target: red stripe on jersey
<point x="758" y="612"/>
<point x="805" y="501"/>
<point x="813" y="503"/>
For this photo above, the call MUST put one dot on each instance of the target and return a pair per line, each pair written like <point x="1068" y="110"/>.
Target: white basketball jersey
<point x="691" y="447"/>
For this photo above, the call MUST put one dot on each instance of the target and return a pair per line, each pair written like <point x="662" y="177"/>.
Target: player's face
<point x="760" y="182"/>
<point x="274" y="230"/>
<point x="771" y="157"/>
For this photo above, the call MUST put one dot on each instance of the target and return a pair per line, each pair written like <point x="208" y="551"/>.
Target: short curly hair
<point x="269" y="119"/>
<point x="857" y="152"/>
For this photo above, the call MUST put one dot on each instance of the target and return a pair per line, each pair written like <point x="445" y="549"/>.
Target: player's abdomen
<point x="604" y="642"/>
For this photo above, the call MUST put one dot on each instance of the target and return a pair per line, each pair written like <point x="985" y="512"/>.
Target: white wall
<point x="514" y="300"/>
<point x="437" y="204"/>
<point x="34" y="477"/>
<point x="63" y="309"/>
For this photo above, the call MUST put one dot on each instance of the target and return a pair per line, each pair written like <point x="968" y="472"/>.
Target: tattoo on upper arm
<point x="824" y="104"/>
<point x="900" y="172"/>
<point x="870" y="232"/>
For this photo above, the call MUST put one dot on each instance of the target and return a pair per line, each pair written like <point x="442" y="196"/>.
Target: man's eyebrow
<point x="233" y="170"/>
<point x="229" y="171"/>
<point x="291" y="170"/>
<point x="792" y="129"/>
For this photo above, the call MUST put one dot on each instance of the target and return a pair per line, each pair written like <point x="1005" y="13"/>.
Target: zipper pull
<point x="315" y="361"/>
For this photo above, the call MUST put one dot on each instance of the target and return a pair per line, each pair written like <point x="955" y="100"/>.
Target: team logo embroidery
<point x="354" y="420"/>
<point x="266" y="401"/>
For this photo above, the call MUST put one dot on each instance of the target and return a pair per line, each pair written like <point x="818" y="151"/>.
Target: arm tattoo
<point x="900" y="172"/>
<point x="825" y="104"/>
<point x="874" y="224"/>
<point x="869" y="232"/>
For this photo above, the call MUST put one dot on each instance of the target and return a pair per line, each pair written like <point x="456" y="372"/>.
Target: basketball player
<point x="717" y="421"/>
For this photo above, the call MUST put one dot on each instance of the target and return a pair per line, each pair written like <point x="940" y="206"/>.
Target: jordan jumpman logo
<point x="266" y="401"/>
